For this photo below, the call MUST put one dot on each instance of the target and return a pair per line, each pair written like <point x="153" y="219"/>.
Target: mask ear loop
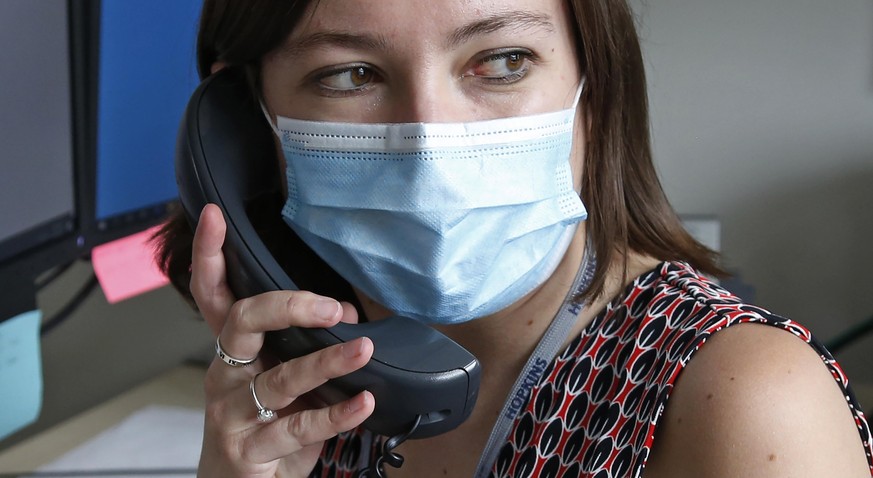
<point x="269" y="119"/>
<point x="578" y="96"/>
<point x="575" y="108"/>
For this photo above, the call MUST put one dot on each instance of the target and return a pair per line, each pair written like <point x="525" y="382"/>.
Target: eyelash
<point x="319" y="77"/>
<point x="526" y="56"/>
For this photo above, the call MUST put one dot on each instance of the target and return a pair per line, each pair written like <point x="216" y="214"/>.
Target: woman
<point x="755" y="401"/>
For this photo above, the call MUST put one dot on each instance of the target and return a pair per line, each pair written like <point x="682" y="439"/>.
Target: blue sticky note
<point x="20" y="372"/>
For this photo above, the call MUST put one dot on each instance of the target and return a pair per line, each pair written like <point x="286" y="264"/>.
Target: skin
<point x="521" y="60"/>
<point x="756" y="402"/>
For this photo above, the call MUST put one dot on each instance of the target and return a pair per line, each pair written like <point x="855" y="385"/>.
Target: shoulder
<point x="757" y="401"/>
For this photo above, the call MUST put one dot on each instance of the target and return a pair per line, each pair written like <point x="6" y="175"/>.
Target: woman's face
<point x="398" y="61"/>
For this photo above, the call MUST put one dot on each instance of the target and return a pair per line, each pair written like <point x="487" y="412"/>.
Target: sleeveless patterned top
<point x="595" y="410"/>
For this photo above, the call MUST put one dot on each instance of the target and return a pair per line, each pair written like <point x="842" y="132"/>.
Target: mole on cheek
<point x="772" y="457"/>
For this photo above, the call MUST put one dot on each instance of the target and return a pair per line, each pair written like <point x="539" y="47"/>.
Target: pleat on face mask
<point x="442" y="222"/>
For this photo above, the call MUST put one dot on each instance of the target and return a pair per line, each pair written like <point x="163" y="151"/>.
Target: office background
<point x="762" y="116"/>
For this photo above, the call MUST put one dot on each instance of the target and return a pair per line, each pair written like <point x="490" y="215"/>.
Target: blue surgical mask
<point x="440" y="222"/>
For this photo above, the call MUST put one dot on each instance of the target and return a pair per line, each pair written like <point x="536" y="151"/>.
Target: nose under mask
<point x="440" y="222"/>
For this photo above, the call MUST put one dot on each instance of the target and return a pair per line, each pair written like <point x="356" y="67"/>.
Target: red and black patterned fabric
<point x="596" y="408"/>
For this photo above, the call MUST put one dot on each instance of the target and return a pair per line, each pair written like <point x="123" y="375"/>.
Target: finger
<point x="243" y="332"/>
<point x="208" y="279"/>
<point x="294" y="432"/>
<point x="282" y="385"/>
<point x="350" y="313"/>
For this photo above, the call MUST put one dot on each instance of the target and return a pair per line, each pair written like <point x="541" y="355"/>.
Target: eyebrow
<point x="513" y="20"/>
<point x="356" y="41"/>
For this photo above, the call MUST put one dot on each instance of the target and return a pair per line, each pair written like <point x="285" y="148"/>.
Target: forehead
<point x="430" y="21"/>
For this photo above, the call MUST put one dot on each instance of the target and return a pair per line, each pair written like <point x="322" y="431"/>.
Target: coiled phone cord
<point x="388" y="455"/>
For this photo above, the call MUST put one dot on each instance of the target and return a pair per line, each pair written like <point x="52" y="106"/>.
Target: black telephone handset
<point x="226" y="155"/>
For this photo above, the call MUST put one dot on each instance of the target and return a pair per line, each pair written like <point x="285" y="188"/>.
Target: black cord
<point x="851" y="335"/>
<point x="67" y="310"/>
<point x="52" y="275"/>
<point x="388" y="455"/>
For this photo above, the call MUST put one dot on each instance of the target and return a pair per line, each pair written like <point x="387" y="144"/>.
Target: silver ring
<point x="264" y="414"/>
<point x="232" y="361"/>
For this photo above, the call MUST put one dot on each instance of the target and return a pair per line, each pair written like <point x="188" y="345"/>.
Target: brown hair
<point x="628" y="209"/>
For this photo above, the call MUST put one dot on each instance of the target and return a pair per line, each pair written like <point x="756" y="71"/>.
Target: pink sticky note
<point x="126" y="267"/>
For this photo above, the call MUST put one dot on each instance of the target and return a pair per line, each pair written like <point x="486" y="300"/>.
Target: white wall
<point x="762" y="114"/>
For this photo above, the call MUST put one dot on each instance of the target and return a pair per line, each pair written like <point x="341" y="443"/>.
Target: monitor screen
<point x="146" y="72"/>
<point x="37" y="184"/>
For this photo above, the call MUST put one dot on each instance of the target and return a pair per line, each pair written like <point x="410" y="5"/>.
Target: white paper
<point x="157" y="438"/>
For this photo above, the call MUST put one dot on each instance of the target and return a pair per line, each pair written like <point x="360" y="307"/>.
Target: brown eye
<point x="514" y="62"/>
<point x="503" y="67"/>
<point x="352" y="78"/>
<point x="361" y="76"/>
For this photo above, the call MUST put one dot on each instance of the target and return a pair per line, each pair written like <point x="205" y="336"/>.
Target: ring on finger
<point x="230" y="360"/>
<point x="264" y="414"/>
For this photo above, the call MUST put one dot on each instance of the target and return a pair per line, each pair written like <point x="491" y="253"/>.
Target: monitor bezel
<point x="35" y="257"/>
<point x="33" y="251"/>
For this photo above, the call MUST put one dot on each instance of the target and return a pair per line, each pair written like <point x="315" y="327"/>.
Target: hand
<point x="235" y="443"/>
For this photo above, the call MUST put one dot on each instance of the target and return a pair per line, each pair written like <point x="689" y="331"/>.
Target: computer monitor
<point x="91" y="99"/>
<point x="144" y="71"/>
<point x="39" y="218"/>
<point x="93" y="93"/>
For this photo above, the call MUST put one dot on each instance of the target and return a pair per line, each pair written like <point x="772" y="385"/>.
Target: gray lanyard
<point x="542" y="356"/>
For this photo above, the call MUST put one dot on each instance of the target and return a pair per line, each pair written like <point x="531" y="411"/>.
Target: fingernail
<point x="355" y="404"/>
<point x="326" y="308"/>
<point x="353" y="349"/>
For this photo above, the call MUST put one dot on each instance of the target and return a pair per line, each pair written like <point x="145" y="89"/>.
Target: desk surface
<point x="181" y="386"/>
